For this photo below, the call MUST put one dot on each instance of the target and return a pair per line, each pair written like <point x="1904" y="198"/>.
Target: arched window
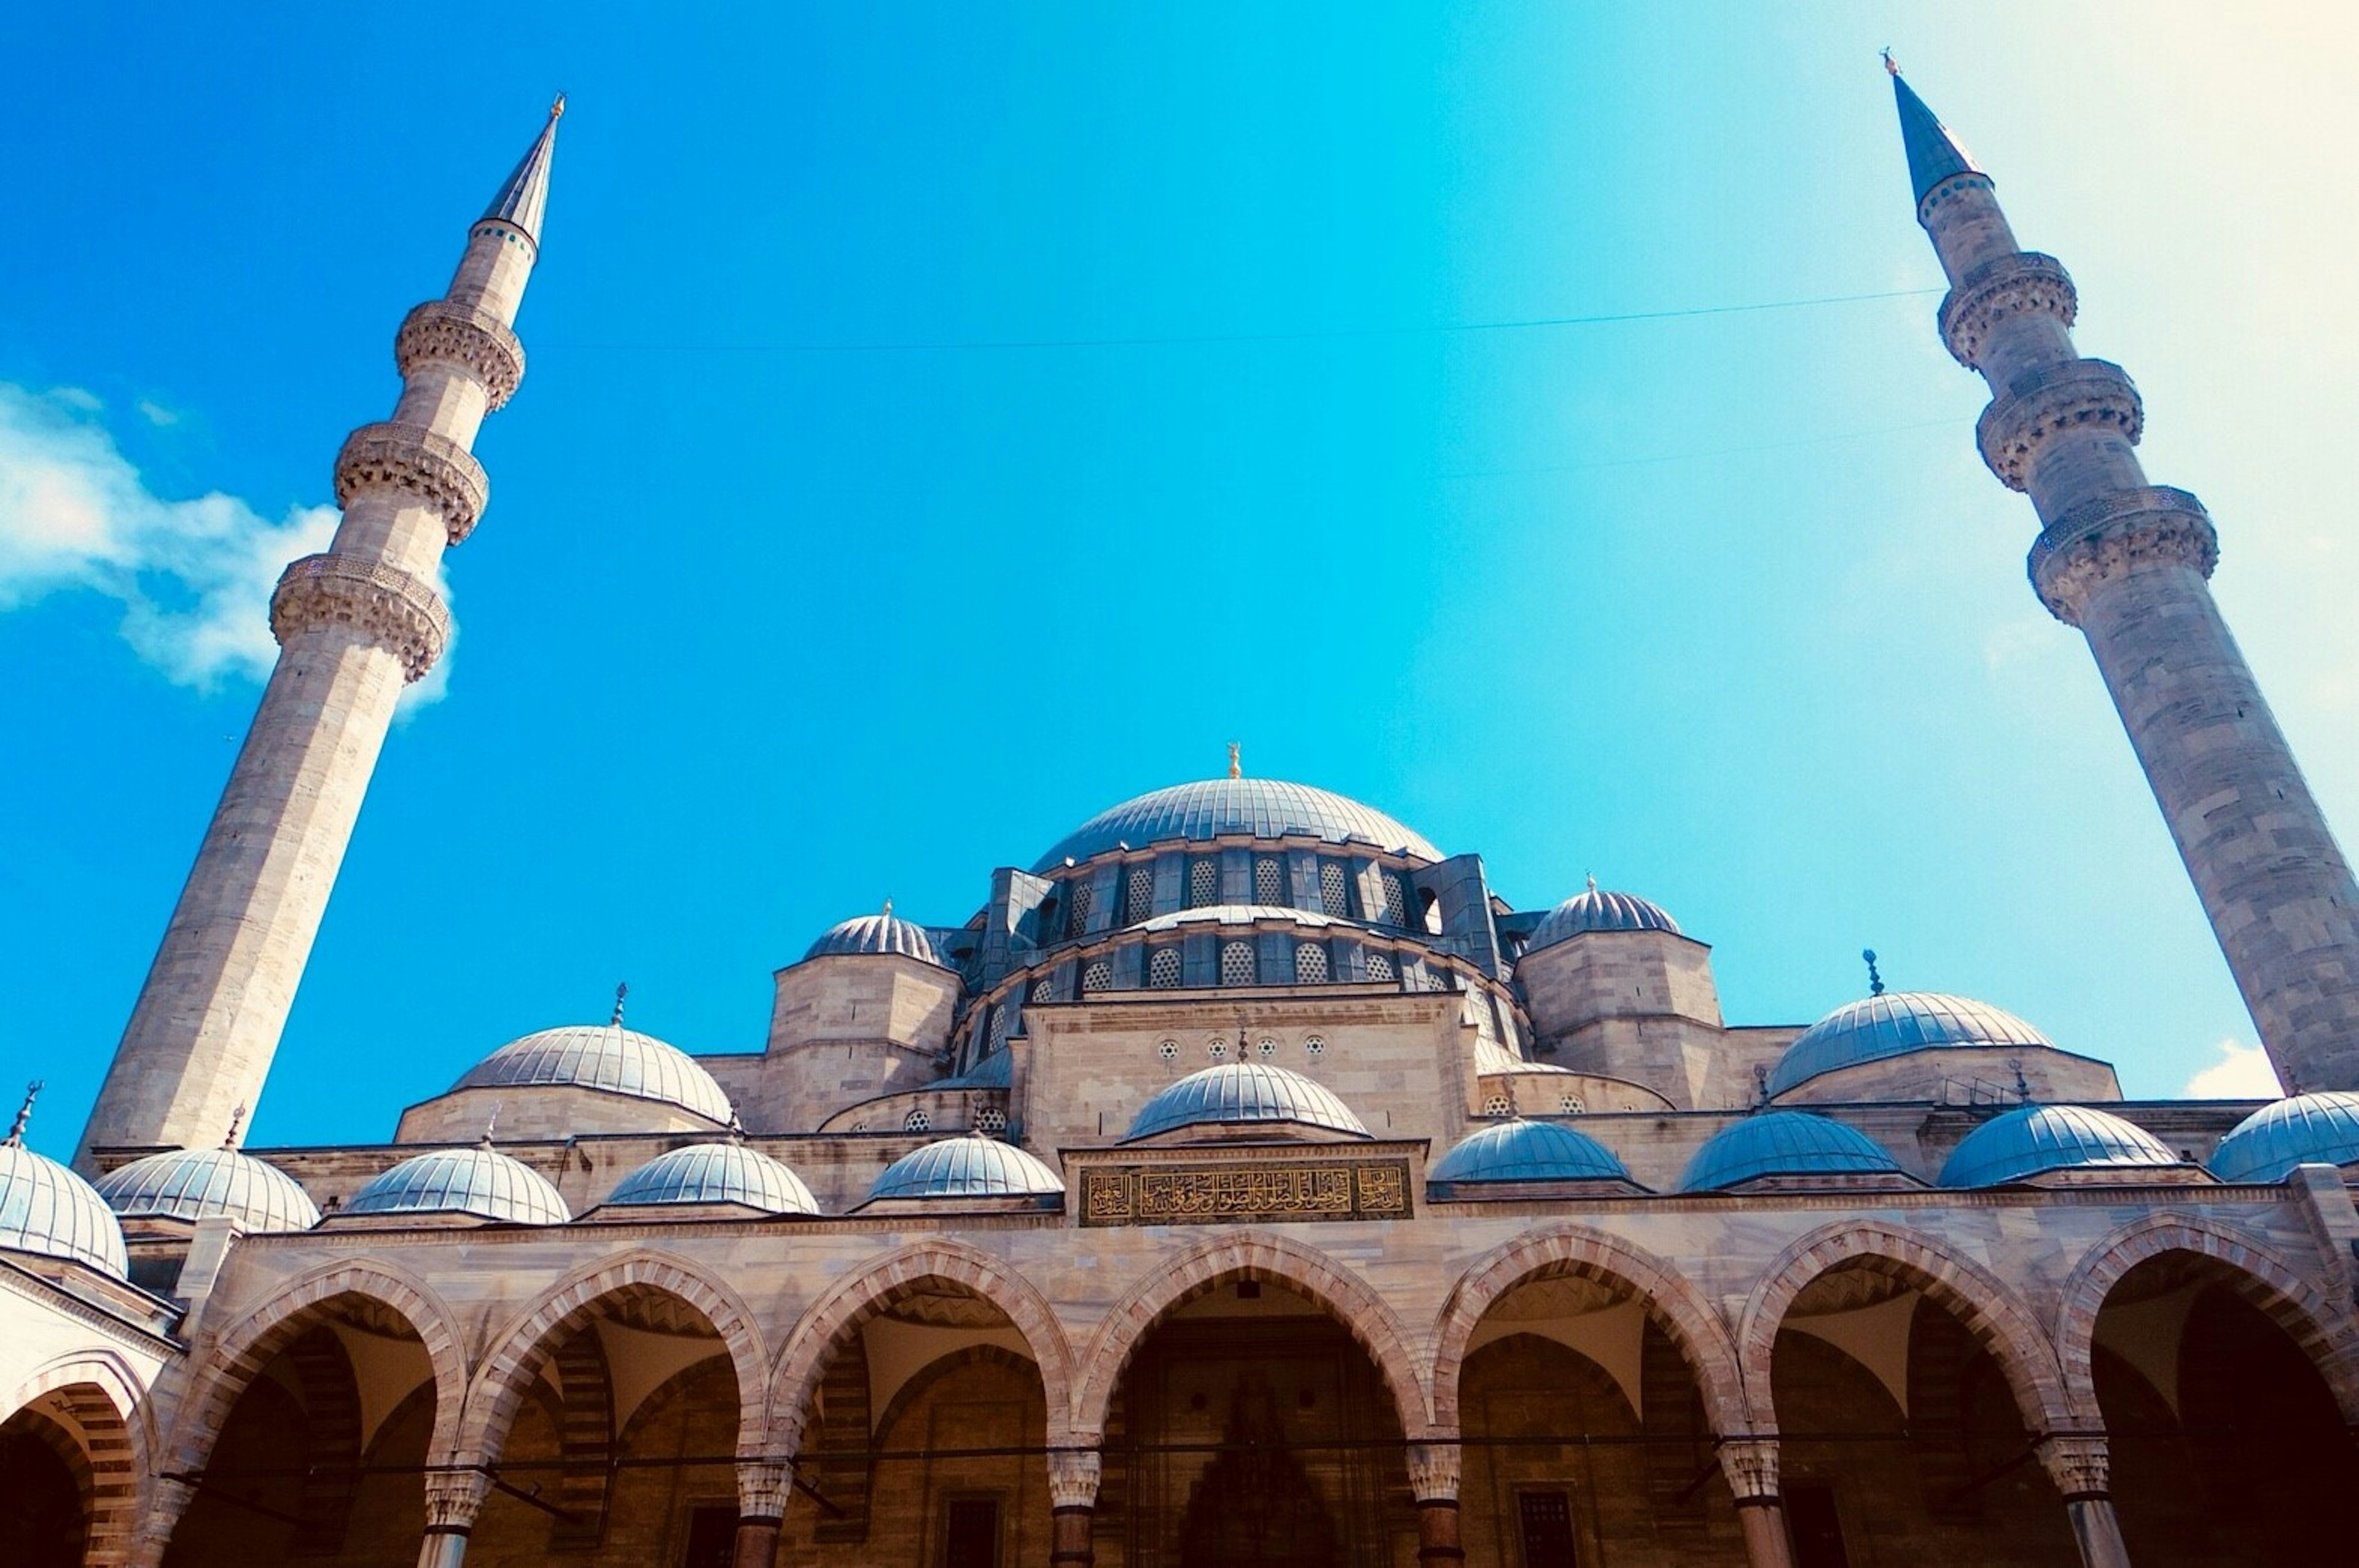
<point x="1138" y="894"/>
<point x="1236" y="963"/>
<point x="991" y="1122"/>
<point x="1497" y="1104"/>
<point x="917" y="1121"/>
<point x="1203" y="884"/>
<point x="1269" y="882"/>
<point x="1334" y="894"/>
<point x="1044" y="988"/>
<point x="1310" y="964"/>
<point x="1395" y="899"/>
<point x="1163" y="968"/>
<point x="1002" y="1019"/>
<point x="1097" y="975"/>
<point x="1380" y="967"/>
<point x="1077" y="920"/>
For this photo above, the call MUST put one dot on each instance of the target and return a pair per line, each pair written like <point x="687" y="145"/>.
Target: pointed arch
<point x="1254" y="1255"/>
<point x="102" y="1395"/>
<point x="2262" y="1277"/>
<point x="858" y="1297"/>
<point x="518" y="1351"/>
<point x="1991" y="1311"/>
<point x="1669" y="1297"/>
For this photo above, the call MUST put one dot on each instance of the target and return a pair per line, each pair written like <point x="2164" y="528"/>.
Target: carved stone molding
<point x="2002" y="287"/>
<point x="2100" y="541"/>
<point x="399" y="612"/>
<point x="453" y="1498"/>
<point x="763" y="1487"/>
<point x="1073" y="1475"/>
<point x="440" y="332"/>
<point x="1949" y="190"/>
<point x="1751" y="1466"/>
<point x="2079" y="395"/>
<point x="1433" y="1470"/>
<point x="2081" y="1466"/>
<point x="435" y="468"/>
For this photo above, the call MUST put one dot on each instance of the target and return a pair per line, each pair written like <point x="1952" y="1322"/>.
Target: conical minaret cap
<point x="1934" y="151"/>
<point x="524" y="197"/>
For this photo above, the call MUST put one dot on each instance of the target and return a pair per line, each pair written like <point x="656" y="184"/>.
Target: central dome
<point x="1258" y="808"/>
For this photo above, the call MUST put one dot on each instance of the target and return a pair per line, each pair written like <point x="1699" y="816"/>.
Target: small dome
<point x="1599" y="910"/>
<point x="968" y="1166"/>
<point x="45" y="1208"/>
<point x="1217" y="808"/>
<point x="1784" y="1143"/>
<point x="716" y="1172"/>
<point x="887" y="933"/>
<point x="1899" y="1025"/>
<point x="2035" y="1139"/>
<point x="198" y="1184"/>
<point x="2302" y="1130"/>
<point x="1244" y="1092"/>
<point x="480" y="1181"/>
<point x="602" y="1057"/>
<point x="1522" y="1151"/>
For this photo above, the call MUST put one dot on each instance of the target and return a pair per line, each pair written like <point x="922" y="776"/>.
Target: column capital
<point x="441" y="332"/>
<point x="400" y="612"/>
<point x="453" y="1498"/>
<point x="2054" y="400"/>
<point x="2080" y="1464"/>
<point x="1073" y="1476"/>
<point x="1750" y="1463"/>
<point x="763" y="1487"/>
<point x="1433" y="1471"/>
<point x="436" y="469"/>
<point x="2002" y="287"/>
<point x="2098" y="541"/>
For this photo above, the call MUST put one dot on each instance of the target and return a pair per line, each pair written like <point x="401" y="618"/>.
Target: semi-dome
<point x="2035" y="1139"/>
<point x="1245" y="1092"/>
<point x="607" y="1057"/>
<point x="1899" y="1023"/>
<point x="2301" y="1130"/>
<point x="201" y="1184"/>
<point x="1599" y="910"/>
<point x="1784" y="1143"/>
<point x="967" y="1166"/>
<point x="45" y="1208"/>
<point x="480" y="1181"/>
<point x="1259" y="808"/>
<point x="1521" y="1150"/>
<point x="885" y="933"/>
<point x="715" y="1173"/>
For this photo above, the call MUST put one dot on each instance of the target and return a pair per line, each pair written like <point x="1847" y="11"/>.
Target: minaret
<point x="355" y="626"/>
<point x="2129" y="564"/>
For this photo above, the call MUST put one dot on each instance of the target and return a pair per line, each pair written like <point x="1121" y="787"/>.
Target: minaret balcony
<point x="435" y="468"/>
<point x="2106" y="538"/>
<point x="2021" y="283"/>
<point x="2056" y="400"/>
<point x="443" y="332"/>
<point x="397" y="611"/>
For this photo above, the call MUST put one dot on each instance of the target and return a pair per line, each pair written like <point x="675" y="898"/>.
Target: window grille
<point x="1572" y="1105"/>
<point x="917" y="1121"/>
<point x="1138" y="894"/>
<point x="1380" y="967"/>
<point x="1044" y="988"/>
<point x="991" y="1122"/>
<point x="1266" y="1046"/>
<point x="1097" y="976"/>
<point x="1077" y="920"/>
<point x="1316" y="1046"/>
<point x="1396" y="900"/>
<point x="1163" y="968"/>
<point x="1334" y="894"/>
<point x="1497" y="1105"/>
<point x="1310" y="964"/>
<point x="1236" y="963"/>
<point x="1002" y="1019"/>
<point x="1203" y="884"/>
<point x="1218" y="1050"/>
<point x="1269" y="882"/>
<point x="1436" y="981"/>
<point x="1168" y="1050"/>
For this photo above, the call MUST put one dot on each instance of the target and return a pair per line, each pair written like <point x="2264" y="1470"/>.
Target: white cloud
<point x="2242" y="1072"/>
<point x="193" y="576"/>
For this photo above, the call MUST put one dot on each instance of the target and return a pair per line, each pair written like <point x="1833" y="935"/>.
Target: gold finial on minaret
<point x="557" y="110"/>
<point x="24" y="1114"/>
<point x="621" y="989"/>
<point x="236" y="1120"/>
<point x="1236" y="763"/>
<point x="1890" y="64"/>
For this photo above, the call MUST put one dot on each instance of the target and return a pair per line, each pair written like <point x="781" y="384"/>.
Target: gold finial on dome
<point x="24" y="1114"/>
<point x="236" y="1120"/>
<point x="1592" y="881"/>
<point x="1236" y="762"/>
<point x="492" y="1123"/>
<point x="621" y="989"/>
<point x="888" y="909"/>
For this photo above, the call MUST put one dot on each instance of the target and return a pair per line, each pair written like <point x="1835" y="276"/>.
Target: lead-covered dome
<point x="2038" y="1138"/>
<point x="1599" y="910"/>
<point x="1784" y="1143"/>
<point x="607" y="1057"/>
<point x="46" y="1209"/>
<point x="1899" y="1023"/>
<point x="1521" y="1150"/>
<point x="1245" y="1094"/>
<point x="2300" y="1129"/>
<point x="480" y="1181"/>
<point x="885" y="933"/>
<point x="967" y="1166"/>
<point x="199" y="1184"/>
<point x="1258" y="808"/>
<point x="715" y="1173"/>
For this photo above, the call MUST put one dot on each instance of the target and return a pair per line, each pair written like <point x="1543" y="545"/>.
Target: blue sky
<point x="801" y="587"/>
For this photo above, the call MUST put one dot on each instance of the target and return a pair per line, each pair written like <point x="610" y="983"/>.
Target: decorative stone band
<point x="439" y="332"/>
<point x="763" y="1487"/>
<point x="1949" y="189"/>
<point x="1073" y="1475"/>
<point x="2005" y="286"/>
<point x="435" y="468"/>
<point x="453" y="1498"/>
<point x="399" y="612"/>
<point x="2038" y="406"/>
<point x="1751" y="1466"/>
<point x="2101" y="540"/>
<point x="2078" y="1464"/>
<point x="1433" y="1471"/>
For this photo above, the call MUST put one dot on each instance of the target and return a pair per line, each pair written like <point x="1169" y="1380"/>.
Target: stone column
<point x="763" y="1487"/>
<point x="2082" y="1467"/>
<point x="1433" y="1470"/>
<point x="1751" y="1466"/>
<point x="167" y="1502"/>
<point x="453" y="1498"/>
<point x="1073" y="1475"/>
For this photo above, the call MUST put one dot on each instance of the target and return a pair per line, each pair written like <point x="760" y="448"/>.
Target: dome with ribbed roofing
<point x="45" y="1208"/>
<point x="967" y="1166"/>
<point x="2300" y="1129"/>
<point x="1257" y="808"/>
<point x="1598" y="910"/>
<point x="1245" y="1094"/>
<point x="1784" y="1143"/>
<point x="2035" y="1139"/>
<point x="715" y="1173"/>
<point x="480" y="1181"/>
<point x="1233" y="914"/>
<point x="199" y="1184"/>
<point x="1520" y="1150"/>
<point x="885" y="933"/>
<point x="1899" y="1023"/>
<point x="606" y="1058"/>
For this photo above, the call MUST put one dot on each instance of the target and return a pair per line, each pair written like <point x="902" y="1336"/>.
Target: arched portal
<point x="80" y="1415"/>
<point x="45" y="1491"/>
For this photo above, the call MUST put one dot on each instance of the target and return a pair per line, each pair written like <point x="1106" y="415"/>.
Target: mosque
<point x="1243" y="1183"/>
